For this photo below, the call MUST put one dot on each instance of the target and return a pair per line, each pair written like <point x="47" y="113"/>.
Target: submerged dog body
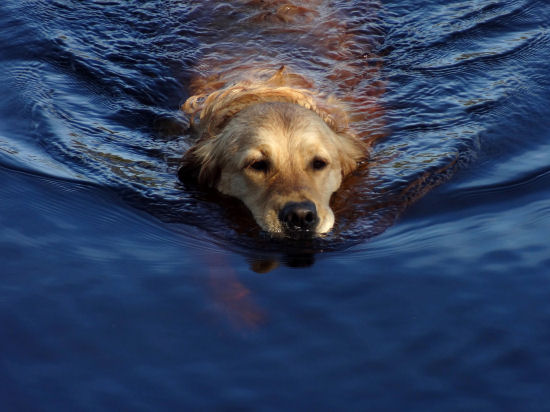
<point x="269" y="138"/>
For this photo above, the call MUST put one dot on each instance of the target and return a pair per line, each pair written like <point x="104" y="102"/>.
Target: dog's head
<point x="282" y="160"/>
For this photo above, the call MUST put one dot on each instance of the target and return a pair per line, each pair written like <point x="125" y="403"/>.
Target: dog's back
<point x="324" y="46"/>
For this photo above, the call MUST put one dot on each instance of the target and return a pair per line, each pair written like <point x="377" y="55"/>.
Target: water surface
<point x="121" y="289"/>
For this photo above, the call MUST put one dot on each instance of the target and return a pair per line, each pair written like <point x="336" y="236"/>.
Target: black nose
<point x="299" y="216"/>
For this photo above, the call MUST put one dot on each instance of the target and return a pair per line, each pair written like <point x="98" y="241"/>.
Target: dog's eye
<point x="260" y="165"/>
<point x="318" y="164"/>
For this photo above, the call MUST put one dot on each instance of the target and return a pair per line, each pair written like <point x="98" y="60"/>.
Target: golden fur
<point x="271" y="141"/>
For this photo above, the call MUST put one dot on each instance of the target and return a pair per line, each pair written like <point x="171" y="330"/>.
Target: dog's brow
<point x="254" y="156"/>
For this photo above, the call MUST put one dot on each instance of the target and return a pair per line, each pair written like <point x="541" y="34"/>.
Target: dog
<point x="267" y="137"/>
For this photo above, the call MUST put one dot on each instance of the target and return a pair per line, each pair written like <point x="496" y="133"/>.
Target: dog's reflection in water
<point x="236" y="301"/>
<point x="266" y="264"/>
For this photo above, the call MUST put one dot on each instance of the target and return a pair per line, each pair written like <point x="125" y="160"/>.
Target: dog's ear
<point x="200" y="166"/>
<point x="351" y="152"/>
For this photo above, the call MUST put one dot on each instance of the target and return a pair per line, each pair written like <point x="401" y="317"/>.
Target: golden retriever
<point x="268" y="137"/>
<point x="282" y="151"/>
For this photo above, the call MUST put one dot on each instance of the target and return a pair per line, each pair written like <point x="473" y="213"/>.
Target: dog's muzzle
<point x="299" y="217"/>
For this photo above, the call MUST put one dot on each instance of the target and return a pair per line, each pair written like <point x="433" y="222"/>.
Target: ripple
<point x="463" y="34"/>
<point x="52" y="208"/>
<point x="530" y="183"/>
<point x="515" y="46"/>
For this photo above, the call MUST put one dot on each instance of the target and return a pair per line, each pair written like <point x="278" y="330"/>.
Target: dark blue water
<point x="121" y="289"/>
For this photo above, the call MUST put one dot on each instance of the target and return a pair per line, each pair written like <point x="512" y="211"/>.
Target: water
<point x="124" y="290"/>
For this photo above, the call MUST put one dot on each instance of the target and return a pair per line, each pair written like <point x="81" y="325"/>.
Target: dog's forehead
<point x="284" y="150"/>
<point x="300" y="135"/>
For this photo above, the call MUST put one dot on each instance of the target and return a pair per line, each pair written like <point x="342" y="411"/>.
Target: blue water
<point x="121" y="289"/>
